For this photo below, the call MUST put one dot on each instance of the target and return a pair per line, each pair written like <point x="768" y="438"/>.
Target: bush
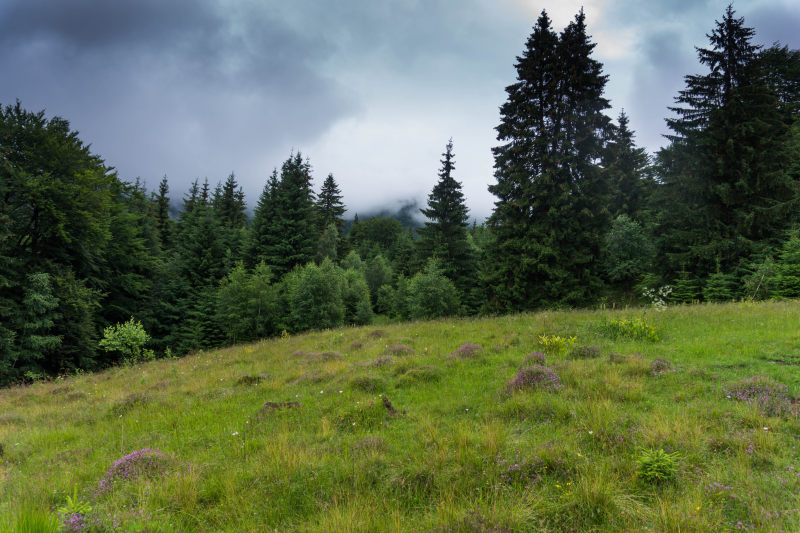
<point x="315" y="296"/>
<point x="356" y="299"/>
<point x="657" y="466"/>
<point x="431" y="294"/>
<point x="247" y="304"/>
<point x="128" y="339"/>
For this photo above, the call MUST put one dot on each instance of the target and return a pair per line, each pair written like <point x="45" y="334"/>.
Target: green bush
<point x="356" y="299"/>
<point x="657" y="466"/>
<point x="431" y="294"/>
<point x="128" y="339"/>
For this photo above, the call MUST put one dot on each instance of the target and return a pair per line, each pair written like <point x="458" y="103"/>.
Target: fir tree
<point x="162" y="218"/>
<point x="262" y="235"/>
<point x="729" y="148"/>
<point x="330" y="206"/>
<point x="626" y="172"/>
<point x="444" y="236"/>
<point x="293" y="223"/>
<point x="549" y="218"/>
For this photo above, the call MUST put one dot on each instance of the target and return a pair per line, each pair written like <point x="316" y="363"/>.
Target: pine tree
<point x="330" y="206"/>
<point x="444" y="235"/>
<point x="549" y="217"/>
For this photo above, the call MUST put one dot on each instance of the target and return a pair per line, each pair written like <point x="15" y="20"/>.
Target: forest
<point x="93" y="265"/>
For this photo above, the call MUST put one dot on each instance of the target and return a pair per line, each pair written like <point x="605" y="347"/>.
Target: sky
<point x="368" y="90"/>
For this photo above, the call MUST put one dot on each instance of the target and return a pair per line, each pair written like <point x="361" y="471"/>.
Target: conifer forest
<point x="97" y="270"/>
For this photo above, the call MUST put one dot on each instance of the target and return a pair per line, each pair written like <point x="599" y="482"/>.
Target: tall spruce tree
<point x="626" y="172"/>
<point x="162" y="218"/>
<point x="294" y="218"/>
<point x="262" y="235"/>
<point x="549" y="217"/>
<point x="444" y="235"/>
<point x="729" y="153"/>
<point x="330" y="206"/>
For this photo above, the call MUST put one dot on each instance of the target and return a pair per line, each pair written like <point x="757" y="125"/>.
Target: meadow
<point x="678" y="420"/>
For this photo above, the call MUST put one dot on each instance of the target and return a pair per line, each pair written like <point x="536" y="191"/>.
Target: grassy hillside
<point x="344" y="431"/>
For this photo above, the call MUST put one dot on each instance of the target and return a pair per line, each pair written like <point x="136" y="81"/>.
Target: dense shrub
<point x="128" y="339"/>
<point x="356" y="299"/>
<point x="247" y="304"/>
<point x="315" y="296"/>
<point x="431" y="294"/>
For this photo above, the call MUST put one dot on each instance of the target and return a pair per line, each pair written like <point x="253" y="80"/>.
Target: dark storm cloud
<point x="183" y="87"/>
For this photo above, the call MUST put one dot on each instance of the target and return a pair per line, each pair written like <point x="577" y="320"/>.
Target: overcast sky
<point x="369" y="90"/>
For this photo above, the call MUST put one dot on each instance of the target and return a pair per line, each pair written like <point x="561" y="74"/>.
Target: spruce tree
<point x="444" y="235"/>
<point x="626" y="172"/>
<point x="162" y="218"/>
<point x="729" y="155"/>
<point x="549" y="217"/>
<point x="330" y="206"/>
<point x="262" y="235"/>
<point x="294" y="222"/>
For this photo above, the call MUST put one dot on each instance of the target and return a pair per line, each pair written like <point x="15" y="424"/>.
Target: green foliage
<point x="315" y="296"/>
<point x="74" y="504"/>
<point x="550" y="216"/>
<point x="431" y="294"/>
<point x="628" y="252"/>
<point x="247" y="304"/>
<point x="761" y="282"/>
<point x="685" y="288"/>
<point x="378" y="273"/>
<point x="633" y="329"/>
<point x="329" y="206"/>
<point x="356" y="299"/>
<point x="656" y="465"/>
<point x="30" y="519"/>
<point x="353" y="261"/>
<point x="444" y="236"/>
<point x="327" y="245"/>
<point x="719" y="288"/>
<point x="556" y="344"/>
<point x="788" y="265"/>
<point x="127" y="339"/>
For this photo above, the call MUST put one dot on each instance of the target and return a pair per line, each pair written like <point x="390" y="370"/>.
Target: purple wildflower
<point x="74" y="522"/>
<point x="535" y="377"/>
<point x="400" y="349"/>
<point x="767" y="395"/>
<point x="536" y="358"/>
<point x="147" y="462"/>
<point x="468" y="349"/>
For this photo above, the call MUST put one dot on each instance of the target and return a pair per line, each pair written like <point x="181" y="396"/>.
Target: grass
<point x="262" y="439"/>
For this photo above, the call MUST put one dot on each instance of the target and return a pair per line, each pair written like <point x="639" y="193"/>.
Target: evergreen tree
<point x="162" y="218"/>
<point x="293" y="223"/>
<point x="262" y="235"/>
<point x="729" y="156"/>
<point x="549" y="217"/>
<point x="626" y="171"/>
<point x="444" y="236"/>
<point x="330" y="206"/>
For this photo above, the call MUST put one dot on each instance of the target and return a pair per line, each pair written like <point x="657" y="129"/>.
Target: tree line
<point x="582" y="216"/>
